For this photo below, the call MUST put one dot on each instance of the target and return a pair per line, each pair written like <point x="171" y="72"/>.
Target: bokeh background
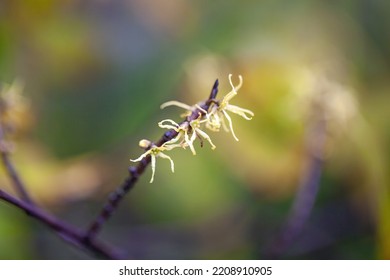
<point x="95" y="72"/>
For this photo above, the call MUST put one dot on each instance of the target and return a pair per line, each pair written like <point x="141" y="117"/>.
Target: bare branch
<point x="67" y="232"/>
<point x="11" y="170"/>
<point x="135" y="172"/>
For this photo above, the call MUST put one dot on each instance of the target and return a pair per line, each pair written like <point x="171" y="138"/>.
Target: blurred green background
<point x="96" y="71"/>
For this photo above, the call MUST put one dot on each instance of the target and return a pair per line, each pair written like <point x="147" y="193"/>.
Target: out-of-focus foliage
<point x="95" y="73"/>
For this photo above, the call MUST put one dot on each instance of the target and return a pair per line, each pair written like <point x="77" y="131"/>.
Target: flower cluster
<point x="215" y="117"/>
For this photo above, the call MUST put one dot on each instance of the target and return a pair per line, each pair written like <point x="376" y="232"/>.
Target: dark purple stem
<point x="135" y="172"/>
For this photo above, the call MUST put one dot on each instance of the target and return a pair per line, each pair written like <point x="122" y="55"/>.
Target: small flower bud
<point x="144" y="144"/>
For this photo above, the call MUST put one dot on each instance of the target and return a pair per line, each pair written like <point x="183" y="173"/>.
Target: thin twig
<point x="11" y="170"/>
<point x="135" y="172"/>
<point x="67" y="232"/>
<point x="306" y="195"/>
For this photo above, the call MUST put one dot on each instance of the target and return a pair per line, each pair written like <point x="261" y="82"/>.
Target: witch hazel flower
<point x="181" y="129"/>
<point x="189" y="132"/>
<point x="219" y="110"/>
<point x="198" y="132"/>
<point x="154" y="152"/>
<point x="211" y="114"/>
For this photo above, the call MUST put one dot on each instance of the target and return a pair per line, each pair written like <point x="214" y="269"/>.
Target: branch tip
<point x="214" y="90"/>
